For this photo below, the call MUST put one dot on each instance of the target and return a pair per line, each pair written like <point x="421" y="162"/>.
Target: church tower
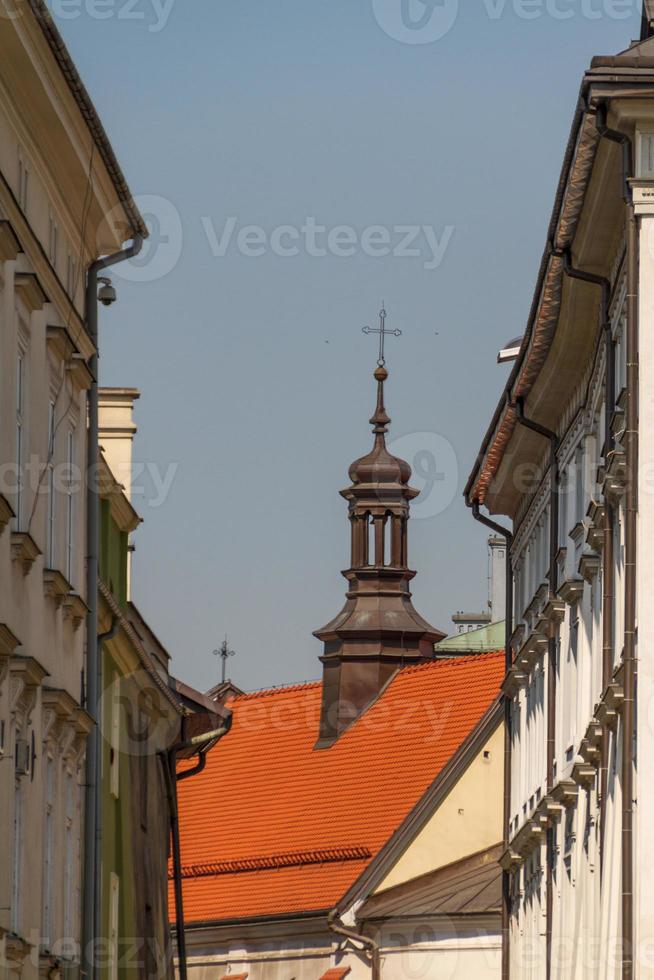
<point x="378" y="631"/>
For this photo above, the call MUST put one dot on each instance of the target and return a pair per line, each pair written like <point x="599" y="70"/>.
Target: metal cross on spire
<point x="383" y="334"/>
<point x="224" y="652"/>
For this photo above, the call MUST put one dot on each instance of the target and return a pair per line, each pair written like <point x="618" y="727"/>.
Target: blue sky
<point x="430" y="162"/>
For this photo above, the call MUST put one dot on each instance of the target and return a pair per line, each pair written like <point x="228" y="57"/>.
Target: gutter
<point x="371" y="947"/>
<point x="92" y="894"/>
<point x="201" y="743"/>
<point x="508" y="660"/>
<point x="543" y="315"/>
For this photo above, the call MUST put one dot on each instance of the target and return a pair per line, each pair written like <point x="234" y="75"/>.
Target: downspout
<point x="92" y="889"/>
<point x="548" y="434"/>
<point x="169" y="762"/>
<point x="631" y="530"/>
<point x="369" y="945"/>
<point x="608" y="573"/>
<point x="508" y="660"/>
<point x="629" y="654"/>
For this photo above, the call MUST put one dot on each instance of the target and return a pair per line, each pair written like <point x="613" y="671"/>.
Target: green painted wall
<point x="113" y="554"/>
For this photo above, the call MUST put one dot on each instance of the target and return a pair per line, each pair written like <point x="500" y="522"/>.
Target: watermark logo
<point x="435" y="471"/>
<point x="416" y="21"/>
<point x="427" y="21"/>
<point x="154" y="13"/>
<point x="161" y="250"/>
<point x="136" y="719"/>
<point x="422" y="242"/>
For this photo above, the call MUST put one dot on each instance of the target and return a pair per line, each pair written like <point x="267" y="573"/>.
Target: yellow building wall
<point x="468" y="820"/>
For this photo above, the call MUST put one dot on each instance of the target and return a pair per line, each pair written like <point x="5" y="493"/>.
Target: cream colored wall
<point x="468" y="820"/>
<point x="417" y="949"/>
<point x="42" y="629"/>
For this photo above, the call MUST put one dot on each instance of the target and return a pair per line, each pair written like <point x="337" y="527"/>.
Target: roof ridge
<point x="287" y="859"/>
<point x="279" y="689"/>
<point x="450" y="661"/>
<point x="308" y="685"/>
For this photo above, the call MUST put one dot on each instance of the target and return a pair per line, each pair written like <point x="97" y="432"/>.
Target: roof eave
<point x="614" y="70"/>
<point x="86" y="107"/>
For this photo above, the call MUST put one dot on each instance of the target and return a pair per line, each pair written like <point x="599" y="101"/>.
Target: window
<point x="20" y="435"/>
<point x="645" y="155"/>
<point x="48" y="852"/>
<point x="69" y="853"/>
<point x="71" y="276"/>
<point x="144" y="726"/>
<point x="70" y="507"/>
<point x="114" y="742"/>
<point x="16" y="869"/>
<point x="53" y="236"/>
<point x="23" y="181"/>
<point x="579" y="485"/>
<point x="114" y="895"/>
<point x="50" y="545"/>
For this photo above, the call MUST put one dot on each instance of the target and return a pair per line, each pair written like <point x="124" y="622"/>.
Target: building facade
<point x="59" y="183"/>
<point x="567" y="459"/>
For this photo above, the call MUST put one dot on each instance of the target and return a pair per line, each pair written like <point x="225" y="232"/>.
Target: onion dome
<point x="379" y="466"/>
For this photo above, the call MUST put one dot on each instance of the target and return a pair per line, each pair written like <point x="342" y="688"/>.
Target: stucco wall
<point x="468" y="820"/>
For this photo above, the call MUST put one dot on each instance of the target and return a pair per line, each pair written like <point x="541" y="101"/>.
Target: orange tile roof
<point x="273" y="825"/>
<point x="336" y="973"/>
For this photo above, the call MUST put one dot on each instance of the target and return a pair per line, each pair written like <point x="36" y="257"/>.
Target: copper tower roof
<point x="378" y="629"/>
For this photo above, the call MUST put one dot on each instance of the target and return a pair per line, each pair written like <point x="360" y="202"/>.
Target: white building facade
<point x="569" y="458"/>
<point x="62" y="204"/>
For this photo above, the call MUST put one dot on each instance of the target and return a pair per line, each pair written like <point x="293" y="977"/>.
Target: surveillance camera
<point x="106" y="293"/>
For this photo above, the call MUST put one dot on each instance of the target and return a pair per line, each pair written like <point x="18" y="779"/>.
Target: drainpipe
<point x="508" y="660"/>
<point x="541" y="430"/>
<point x="370" y="946"/>
<point x="202" y="743"/>
<point x="608" y="572"/>
<point x="629" y="654"/>
<point x="631" y="447"/>
<point x="92" y="886"/>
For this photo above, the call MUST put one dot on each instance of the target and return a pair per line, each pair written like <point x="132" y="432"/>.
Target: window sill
<point x="75" y="609"/>
<point x="24" y="550"/>
<point x="55" y="586"/>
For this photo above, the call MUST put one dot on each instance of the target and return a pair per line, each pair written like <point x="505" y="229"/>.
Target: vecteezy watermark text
<point x="342" y="241"/>
<point x="155" y="12"/>
<point x="426" y="21"/>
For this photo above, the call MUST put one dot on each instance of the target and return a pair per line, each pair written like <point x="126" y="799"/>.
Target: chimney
<point x="116" y="431"/>
<point x="497" y="578"/>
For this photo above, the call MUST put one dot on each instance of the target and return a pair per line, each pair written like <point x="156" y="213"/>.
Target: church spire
<point x="378" y="630"/>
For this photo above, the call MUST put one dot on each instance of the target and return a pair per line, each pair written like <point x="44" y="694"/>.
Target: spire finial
<point x="224" y="653"/>
<point x="383" y="333"/>
<point x="380" y="420"/>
